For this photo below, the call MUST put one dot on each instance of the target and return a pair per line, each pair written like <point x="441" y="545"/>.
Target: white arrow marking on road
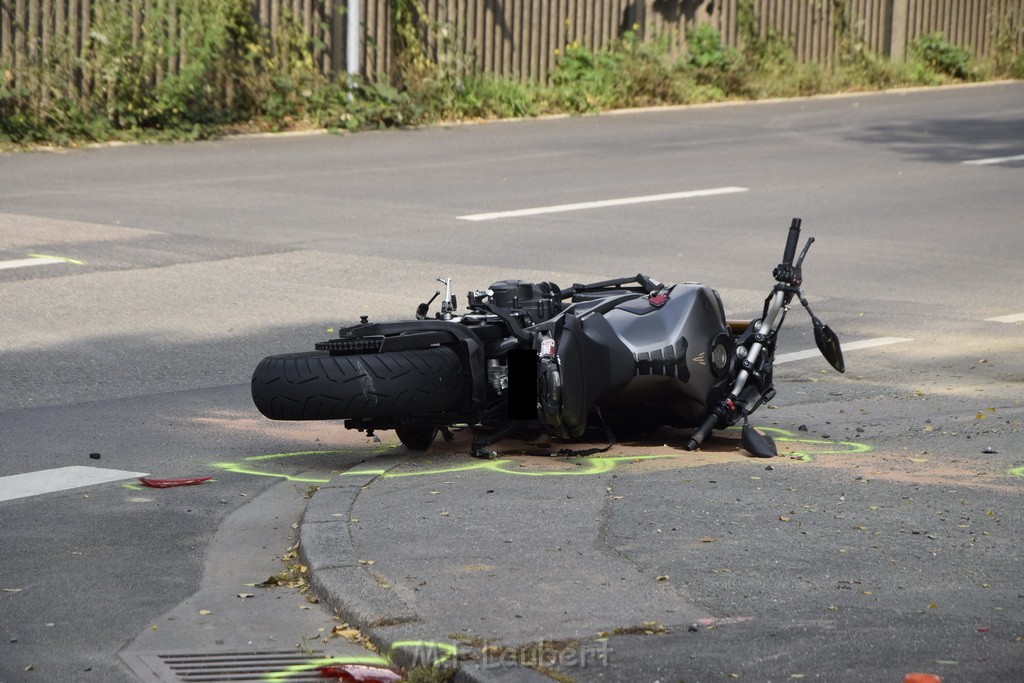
<point x="60" y="479"/>
<point x="601" y="204"/>
<point x="37" y="260"/>
<point x="1015" y="318"/>
<point x="847" y="346"/>
<point x="993" y="160"/>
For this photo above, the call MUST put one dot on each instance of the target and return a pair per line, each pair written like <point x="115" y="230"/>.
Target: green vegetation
<point x="942" y="56"/>
<point x="235" y="76"/>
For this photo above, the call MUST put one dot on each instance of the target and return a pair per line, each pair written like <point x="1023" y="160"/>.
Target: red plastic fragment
<point x="168" y="483"/>
<point x="921" y="678"/>
<point x="360" y="673"/>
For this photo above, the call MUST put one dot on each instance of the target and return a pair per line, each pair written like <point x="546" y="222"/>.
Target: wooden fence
<point x="519" y="38"/>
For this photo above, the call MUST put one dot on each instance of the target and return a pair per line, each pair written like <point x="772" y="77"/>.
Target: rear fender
<point x="467" y="345"/>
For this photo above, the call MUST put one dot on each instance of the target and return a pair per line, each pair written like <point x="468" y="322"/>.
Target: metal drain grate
<point x="287" y="666"/>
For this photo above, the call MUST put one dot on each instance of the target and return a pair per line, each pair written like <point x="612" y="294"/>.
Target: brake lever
<point x="803" y="254"/>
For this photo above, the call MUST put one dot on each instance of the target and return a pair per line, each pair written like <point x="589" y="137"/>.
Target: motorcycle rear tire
<point x="318" y="386"/>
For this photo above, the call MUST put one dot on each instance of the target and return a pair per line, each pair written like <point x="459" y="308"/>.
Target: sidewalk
<point x="442" y="551"/>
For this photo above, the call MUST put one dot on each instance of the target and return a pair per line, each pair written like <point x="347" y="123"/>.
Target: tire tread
<point x="317" y="386"/>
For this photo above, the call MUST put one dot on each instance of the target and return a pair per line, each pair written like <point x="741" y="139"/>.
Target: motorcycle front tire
<point x="318" y="386"/>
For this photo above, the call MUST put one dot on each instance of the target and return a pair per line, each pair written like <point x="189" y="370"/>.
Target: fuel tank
<point x="682" y="351"/>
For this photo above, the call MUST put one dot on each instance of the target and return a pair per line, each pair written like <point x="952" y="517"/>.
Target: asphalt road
<point x="191" y="262"/>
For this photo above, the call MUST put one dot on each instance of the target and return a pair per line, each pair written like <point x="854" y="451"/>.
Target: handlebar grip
<point x="697" y="438"/>
<point x="791" y="242"/>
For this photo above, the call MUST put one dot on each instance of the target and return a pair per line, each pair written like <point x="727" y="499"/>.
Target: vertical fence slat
<point x="31" y="35"/>
<point x="6" y="35"/>
<point x="511" y="38"/>
<point x="70" y="26"/>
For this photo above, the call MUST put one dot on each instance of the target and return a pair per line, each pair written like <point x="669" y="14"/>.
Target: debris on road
<point x="921" y="678"/>
<point x="360" y="673"/>
<point x="168" y="483"/>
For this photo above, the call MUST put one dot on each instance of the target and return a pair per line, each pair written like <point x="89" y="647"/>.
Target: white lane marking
<point x="1014" y="318"/>
<point x="60" y="479"/>
<point x="847" y="346"/>
<point x="37" y="260"/>
<point x="993" y="160"/>
<point x="601" y="204"/>
<point x="28" y="262"/>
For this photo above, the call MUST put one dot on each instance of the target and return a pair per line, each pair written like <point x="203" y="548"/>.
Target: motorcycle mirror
<point x="421" y="310"/>
<point x="828" y="344"/>
<point x="757" y="443"/>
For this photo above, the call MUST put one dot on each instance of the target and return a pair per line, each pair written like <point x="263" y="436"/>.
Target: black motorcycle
<point x="532" y="358"/>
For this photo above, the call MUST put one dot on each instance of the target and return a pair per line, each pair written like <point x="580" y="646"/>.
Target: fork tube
<point x="767" y="327"/>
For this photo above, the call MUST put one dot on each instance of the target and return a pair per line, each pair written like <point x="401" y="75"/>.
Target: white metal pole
<point x="352" y="39"/>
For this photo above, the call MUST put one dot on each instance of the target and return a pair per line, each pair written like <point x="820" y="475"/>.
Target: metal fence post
<point x="898" y="30"/>
<point x="352" y="39"/>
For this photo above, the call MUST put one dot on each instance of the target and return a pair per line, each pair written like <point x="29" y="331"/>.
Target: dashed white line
<point x="1013" y="318"/>
<point x="847" y="346"/>
<point x="59" y="479"/>
<point x="623" y="201"/>
<point x="28" y="263"/>
<point x="993" y="160"/>
<point x="36" y="260"/>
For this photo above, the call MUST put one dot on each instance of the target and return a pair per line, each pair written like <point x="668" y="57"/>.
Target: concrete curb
<point x="325" y="546"/>
<point x="356" y="594"/>
<point x="475" y="672"/>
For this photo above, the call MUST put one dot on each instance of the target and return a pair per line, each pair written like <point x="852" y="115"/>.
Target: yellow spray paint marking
<point x="432" y="648"/>
<point x="369" y="659"/>
<point x="1017" y="471"/>
<point x="241" y="468"/>
<point x="815" y="445"/>
<point x="274" y="456"/>
<point x="583" y="466"/>
<point x="237" y="468"/>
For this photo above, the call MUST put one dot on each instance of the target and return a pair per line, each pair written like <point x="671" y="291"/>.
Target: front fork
<point x="766" y="330"/>
<point x="726" y="410"/>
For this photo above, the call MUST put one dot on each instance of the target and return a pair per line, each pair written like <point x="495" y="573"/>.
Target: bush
<point x="942" y="56"/>
<point x="628" y="73"/>
<point x="713" y="64"/>
<point x="1006" y="61"/>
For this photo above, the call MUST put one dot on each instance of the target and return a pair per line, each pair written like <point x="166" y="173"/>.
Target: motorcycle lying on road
<point x="532" y="358"/>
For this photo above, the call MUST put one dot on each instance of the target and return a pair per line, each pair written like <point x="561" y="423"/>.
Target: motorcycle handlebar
<point x="791" y="242"/>
<point x="697" y="438"/>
